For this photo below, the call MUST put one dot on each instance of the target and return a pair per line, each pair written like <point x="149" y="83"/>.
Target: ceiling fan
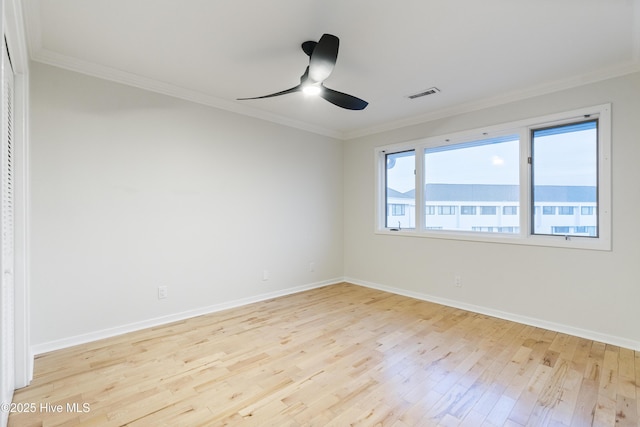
<point x="322" y="59"/>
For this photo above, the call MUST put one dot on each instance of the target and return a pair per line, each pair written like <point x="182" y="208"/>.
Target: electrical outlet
<point x="163" y="292"/>
<point x="457" y="281"/>
<point x="312" y="266"/>
<point x="265" y="275"/>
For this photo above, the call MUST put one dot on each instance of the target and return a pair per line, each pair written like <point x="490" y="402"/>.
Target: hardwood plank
<point x="551" y="395"/>
<point x="338" y="355"/>
<point x="626" y="402"/>
<point x="500" y="412"/>
<point x="524" y="406"/>
<point x="568" y="397"/>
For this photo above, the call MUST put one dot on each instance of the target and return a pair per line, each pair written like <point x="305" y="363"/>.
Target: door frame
<point x="13" y="28"/>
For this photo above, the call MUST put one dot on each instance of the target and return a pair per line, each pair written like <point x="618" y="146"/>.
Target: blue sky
<point x="561" y="159"/>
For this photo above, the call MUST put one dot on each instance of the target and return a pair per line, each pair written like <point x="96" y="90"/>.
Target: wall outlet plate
<point x="163" y="292"/>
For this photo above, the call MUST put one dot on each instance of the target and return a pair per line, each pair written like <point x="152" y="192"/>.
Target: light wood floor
<point x="337" y="356"/>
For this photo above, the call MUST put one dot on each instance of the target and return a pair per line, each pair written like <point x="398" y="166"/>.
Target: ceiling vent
<point x="430" y="91"/>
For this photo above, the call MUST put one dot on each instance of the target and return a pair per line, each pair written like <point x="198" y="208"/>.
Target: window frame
<point x="385" y="189"/>
<point x="524" y="210"/>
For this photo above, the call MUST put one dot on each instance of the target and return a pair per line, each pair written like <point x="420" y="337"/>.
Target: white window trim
<point x="523" y="128"/>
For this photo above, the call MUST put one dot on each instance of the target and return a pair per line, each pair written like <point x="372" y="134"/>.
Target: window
<point x="396" y="210"/>
<point x="565" y="210"/>
<point x="471" y="171"/>
<point x="488" y="210"/>
<point x="586" y="210"/>
<point x="564" y="169"/>
<point x="446" y="210"/>
<point x="400" y="189"/>
<point x="509" y="229"/>
<point x="540" y="181"/>
<point x="467" y="210"/>
<point x="509" y="210"/>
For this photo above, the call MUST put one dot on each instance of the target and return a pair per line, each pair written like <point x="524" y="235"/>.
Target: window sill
<point x="572" y="242"/>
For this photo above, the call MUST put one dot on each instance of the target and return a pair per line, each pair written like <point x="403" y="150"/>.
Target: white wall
<point x="132" y="190"/>
<point x="590" y="293"/>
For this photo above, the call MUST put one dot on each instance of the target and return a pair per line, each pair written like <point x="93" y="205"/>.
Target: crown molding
<point x="31" y="13"/>
<point x="51" y="58"/>
<point x="130" y="79"/>
<point x="531" y="92"/>
<point x="38" y="53"/>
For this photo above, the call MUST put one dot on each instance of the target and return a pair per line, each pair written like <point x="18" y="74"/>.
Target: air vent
<point x="430" y="91"/>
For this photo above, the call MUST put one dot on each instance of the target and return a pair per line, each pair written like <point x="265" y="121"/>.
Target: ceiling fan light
<point x="311" y="90"/>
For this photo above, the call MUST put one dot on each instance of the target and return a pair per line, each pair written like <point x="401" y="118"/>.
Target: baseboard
<point x="159" y="321"/>
<point x="531" y="321"/>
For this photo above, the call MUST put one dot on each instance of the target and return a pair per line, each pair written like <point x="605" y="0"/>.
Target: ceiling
<point x="478" y="53"/>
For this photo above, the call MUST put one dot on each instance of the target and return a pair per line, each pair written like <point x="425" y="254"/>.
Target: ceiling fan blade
<point x="323" y="57"/>
<point x="284" y="92"/>
<point x="304" y="77"/>
<point x="308" y="47"/>
<point x="342" y="99"/>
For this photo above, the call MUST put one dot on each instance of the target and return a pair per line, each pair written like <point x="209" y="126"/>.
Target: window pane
<point x="471" y="178"/>
<point x="400" y="190"/>
<point x="565" y="210"/>
<point x="509" y="210"/>
<point x="565" y="175"/>
<point x="586" y="210"/>
<point x="488" y="210"/>
<point x="446" y="210"/>
<point x="468" y="210"/>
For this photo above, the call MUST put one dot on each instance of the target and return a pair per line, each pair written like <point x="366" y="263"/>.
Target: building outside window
<point x="565" y="210"/>
<point x="467" y="210"/>
<point x="396" y="209"/>
<point x="446" y="210"/>
<point x="509" y="210"/>
<point x="488" y="210"/>
<point x="586" y="210"/>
